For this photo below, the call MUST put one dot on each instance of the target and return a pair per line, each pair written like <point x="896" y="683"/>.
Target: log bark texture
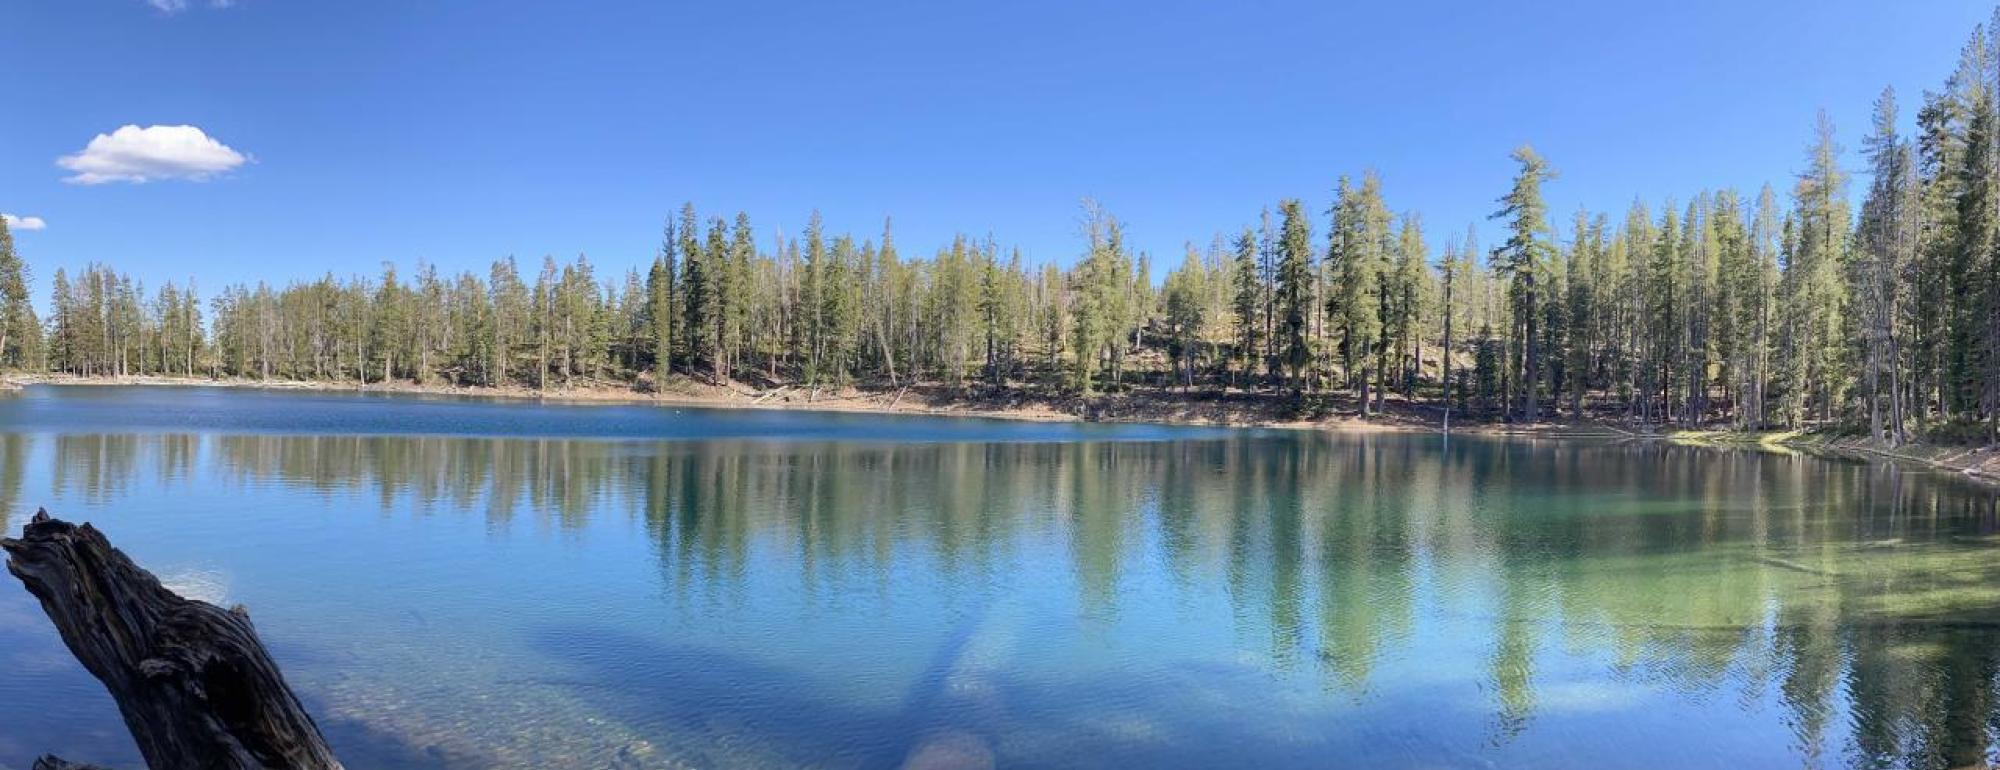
<point x="194" y="684"/>
<point x="58" y="763"/>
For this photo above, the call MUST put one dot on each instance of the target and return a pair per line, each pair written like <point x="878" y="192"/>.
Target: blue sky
<point x="462" y="132"/>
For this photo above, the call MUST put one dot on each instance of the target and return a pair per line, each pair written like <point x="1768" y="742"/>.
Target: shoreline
<point x="1237" y="410"/>
<point x="1979" y="464"/>
<point x="1224" y="409"/>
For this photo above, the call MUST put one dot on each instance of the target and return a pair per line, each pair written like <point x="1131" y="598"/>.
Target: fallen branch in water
<point x="196" y="687"/>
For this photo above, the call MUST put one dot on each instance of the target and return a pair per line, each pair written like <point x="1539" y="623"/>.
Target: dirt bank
<point x="1981" y="463"/>
<point x="1236" y="408"/>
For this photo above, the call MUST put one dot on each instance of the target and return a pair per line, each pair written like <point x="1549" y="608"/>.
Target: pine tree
<point x="1486" y="364"/>
<point x="714" y="326"/>
<point x="991" y="308"/>
<point x="660" y="311"/>
<point x="1667" y="307"/>
<point x="1359" y="251"/>
<point x="1294" y="289"/>
<point x="1819" y="296"/>
<point x="512" y="319"/>
<point x="1887" y="239"/>
<point x="1448" y="271"/>
<point x="736" y="291"/>
<point x="1097" y="289"/>
<point x="1581" y="279"/>
<point x="1409" y="301"/>
<point x="1267" y="272"/>
<point x="1524" y="257"/>
<point x="840" y="313"/>
<point x="1734" y="283"/>
<point x="1248" y="304"/>
<point x="1184" y="310"/>
<point x="812" y="300"/>
<point x="1702" y="263"/>
<point x="889" y="278"/>
<point x="16" y="313"/>
<point x="1760" y="313"/>
<point x="700" y="307"/>
<point x="1972" y="377"/>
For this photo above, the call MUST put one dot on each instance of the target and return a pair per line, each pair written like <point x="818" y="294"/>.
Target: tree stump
<point x="195" y="686"/>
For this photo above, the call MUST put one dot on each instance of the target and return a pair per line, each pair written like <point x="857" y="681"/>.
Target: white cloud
<point x="24" y="223"/>
<point x="134" y="154"/>
<point x="176" y="6"/>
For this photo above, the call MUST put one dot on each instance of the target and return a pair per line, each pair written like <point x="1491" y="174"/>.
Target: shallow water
<point x="465" y="583"/>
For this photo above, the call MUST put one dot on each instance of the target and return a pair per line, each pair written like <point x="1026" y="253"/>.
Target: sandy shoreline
<point x="1977" y="463"/>
<point x="1216" y="409"/>
<point x="1230" y="410"/>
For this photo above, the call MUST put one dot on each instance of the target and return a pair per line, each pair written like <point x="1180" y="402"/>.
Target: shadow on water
<point x="723" y="709"/>
<point x="709" y="703"/>
<point x="361" y="744"/>
<point x="377" y="740"/>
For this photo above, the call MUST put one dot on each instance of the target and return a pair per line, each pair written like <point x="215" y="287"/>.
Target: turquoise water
<point x="455" y="583"/>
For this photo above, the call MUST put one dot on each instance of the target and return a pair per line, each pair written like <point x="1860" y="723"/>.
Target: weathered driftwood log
<point x="58" y="763"/>
<point x="194" y="684"/>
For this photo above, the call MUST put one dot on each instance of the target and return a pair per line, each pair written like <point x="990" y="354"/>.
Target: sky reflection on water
<point x="1212" y="598"/>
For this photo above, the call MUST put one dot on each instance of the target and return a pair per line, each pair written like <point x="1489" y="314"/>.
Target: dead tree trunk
<point x="194" y="684"/>
<point x="57" y="763"/>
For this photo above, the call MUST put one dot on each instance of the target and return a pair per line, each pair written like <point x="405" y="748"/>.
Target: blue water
<point x="455" y="583"/>
<point x="168" y="409"/>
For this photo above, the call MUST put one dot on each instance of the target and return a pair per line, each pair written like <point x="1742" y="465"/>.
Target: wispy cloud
<point x="24" y="223"/>
<point x="134" y="154"/>
<point x="176" y="6"/>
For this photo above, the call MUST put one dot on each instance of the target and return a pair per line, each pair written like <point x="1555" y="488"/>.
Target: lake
<point x="462" y="583"/>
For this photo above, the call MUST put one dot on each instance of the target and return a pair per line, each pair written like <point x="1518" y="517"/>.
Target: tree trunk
<point x="1531" y="374"/>
<point x="1446" y="354"/>
<point x="194" y="684"/>
<point x="48" y="762"/>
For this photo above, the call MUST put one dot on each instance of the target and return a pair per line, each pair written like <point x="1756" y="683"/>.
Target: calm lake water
<point x="456" y="583"/>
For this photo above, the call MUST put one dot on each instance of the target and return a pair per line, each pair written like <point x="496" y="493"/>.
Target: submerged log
<point x="196" y="687"/>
